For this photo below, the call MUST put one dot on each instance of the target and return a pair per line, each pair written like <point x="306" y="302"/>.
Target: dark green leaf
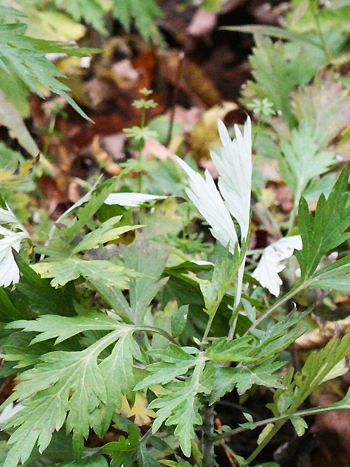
<point x="326" y="229"/>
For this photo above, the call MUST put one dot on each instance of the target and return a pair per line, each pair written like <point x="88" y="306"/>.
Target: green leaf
<point x="276" y="76"/>
<point x="6" y="12"/>
<point x="62" y="328"/>
<point x="143" y="12"/>
<point x="180" y="404"/>
<point x="35" y="293"/>
<point x="114" y="297"/>
<point x="273" y="31"/>
<point x="318" y="368"/>
<point x="123" y="452"/>
<point x="238" y="350"/>
<point x="224" y="272"/>
<point x="179" y="320"/>
<point x="336" y="276"/>
<point x="266" y="431"/>
<point x="147" y="259"/>
<point x="8" y="310"/>
<point x="319" y="365"/>
<point x="299" y="424"/>
<point x="89" y="11"/>
<point x="323" y="106"/>
<point x="258" y="347"/>
<point x="302" y="160"/>
<point x="326" y="229"/>
<point x="243" y="377"/>
<point x="86" y="212"/>
<point x="23" y="59"/>
<point x="81" y="388"/>
<point x="103" y="234"/>
<point x="172" y="362"/>
<point x="63" y="271"/>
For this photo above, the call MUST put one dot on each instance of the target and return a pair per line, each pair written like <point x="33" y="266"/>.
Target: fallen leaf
<point x="124" y="74"/>
<point x="100" y="90"/>
<point x="319" y="337"/>
<point x="284" y="198"/>
<point x="155" y="148"/>
<point x="205" y="134"/>
<point x="203" y="23"/>
<point x="114" y="145"/>
<point x="103" y="158"/>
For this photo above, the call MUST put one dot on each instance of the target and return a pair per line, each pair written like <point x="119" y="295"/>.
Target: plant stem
<point x="140" y="149"/>
<point x="157" y="331"/>
<point x="179" y="73"/>
<point x="207" y="329"/>
<point x="277" y="304"/>
<point x="315" y="15"/>
<point x="207" y="436"/>
<point x="265" y="441"/>
<point x="237" y="300"/>
<point x="280" y="421"/>
<point x="301" y="413"/>
<point x="292" y="217"/>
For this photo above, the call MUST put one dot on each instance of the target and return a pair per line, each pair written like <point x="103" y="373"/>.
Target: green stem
<point x="280" y="421"/>
<point x="238" y="295"/>
<point x="277" y="304"/>
<point x="157" y="331"/>
<point x="207" y="329"/>
<point x="315" y="15"/>
<point x="265" y="441"/>
<point x="292" y="217"/>
<point x="301" y="413"/>
<point x="293" y="214"/>
<point x="139" y="157"/>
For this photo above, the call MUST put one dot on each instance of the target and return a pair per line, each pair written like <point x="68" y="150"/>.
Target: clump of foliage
<point x="112" y="324"/>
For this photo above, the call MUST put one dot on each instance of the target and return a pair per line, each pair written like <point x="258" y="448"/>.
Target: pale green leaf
<point x="80" y="388"/>
<point x="224" y="273"/>
<point x="299" y="424"/>
<point x="335" y="276"/>
<point x="324" y="107"/>
<point x="66" y="270"/>
<point x="266" y="431"/>
<point x="106" y="232"/>
<point x="62" y="328"/>
<point x="173" y="361"/>
<point x="273" y="31"/>
<point x="180" y="405"/>
<point x="147" y="259"/>
<point x="302" y="160"/>
<point x="275" y="75"/>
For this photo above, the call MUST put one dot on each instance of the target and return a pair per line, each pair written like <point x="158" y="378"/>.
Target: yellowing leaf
<point x="139" y="410"/>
